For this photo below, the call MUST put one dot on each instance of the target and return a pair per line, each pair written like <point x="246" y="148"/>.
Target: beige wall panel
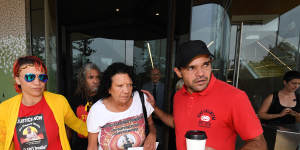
<point x="12" y="42"/>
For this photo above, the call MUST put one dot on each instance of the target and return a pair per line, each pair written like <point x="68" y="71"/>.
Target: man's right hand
<point x="150" y="98"/>
<point x="163" y="116"/>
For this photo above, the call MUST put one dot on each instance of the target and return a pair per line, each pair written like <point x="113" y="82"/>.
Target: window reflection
<point x="143" y="55"/>
<point x="215" y="32"/>
<point x="268" y="50"/>
<point x="43" y="36"/>
<point x="231" y="66"/>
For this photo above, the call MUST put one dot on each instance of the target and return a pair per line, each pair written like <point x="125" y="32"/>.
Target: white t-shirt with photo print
<point x="119" y="130"/>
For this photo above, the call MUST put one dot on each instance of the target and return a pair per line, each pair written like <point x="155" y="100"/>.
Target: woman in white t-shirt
<point x="116" y="121"/>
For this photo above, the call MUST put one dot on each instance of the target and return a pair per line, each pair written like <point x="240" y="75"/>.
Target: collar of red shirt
<point x="205" y="91"/>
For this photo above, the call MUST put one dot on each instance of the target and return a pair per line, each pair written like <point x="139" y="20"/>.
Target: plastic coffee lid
<point x="195" y="134"/>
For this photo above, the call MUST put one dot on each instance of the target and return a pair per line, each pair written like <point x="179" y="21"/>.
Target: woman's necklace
<point x="286" y="99"/>
<point x="289" y="95"/>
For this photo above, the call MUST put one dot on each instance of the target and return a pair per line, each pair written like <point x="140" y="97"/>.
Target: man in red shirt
<point x="211" y="105"/>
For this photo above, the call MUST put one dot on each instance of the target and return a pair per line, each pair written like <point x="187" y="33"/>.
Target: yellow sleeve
<point x="73" y="122"/>
<point x="2" y="133"/>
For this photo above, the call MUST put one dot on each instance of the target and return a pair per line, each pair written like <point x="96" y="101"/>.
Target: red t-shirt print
<point x="82" y="113"/>
<point x="36" y="128"/>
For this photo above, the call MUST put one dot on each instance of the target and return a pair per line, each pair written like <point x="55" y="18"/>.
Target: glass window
<point x="210" y="23"/>
<point x="143" y="55"/>
<point x="43" y="31"/>
<point x="231" y="59"/>
<point x="268" y="50"/>
<point x="100" y="51"/>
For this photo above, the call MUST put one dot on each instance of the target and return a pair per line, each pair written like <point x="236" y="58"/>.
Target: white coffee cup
<point x="195" y="140"/>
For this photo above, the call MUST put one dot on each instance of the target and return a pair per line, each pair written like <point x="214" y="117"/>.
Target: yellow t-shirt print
<point x="87" y="106"/>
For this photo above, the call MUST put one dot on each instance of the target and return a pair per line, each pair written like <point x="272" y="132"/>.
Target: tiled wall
<point x="12" y="42"/>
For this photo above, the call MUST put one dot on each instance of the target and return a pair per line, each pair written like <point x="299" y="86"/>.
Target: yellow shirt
<point x="62" y="112"/>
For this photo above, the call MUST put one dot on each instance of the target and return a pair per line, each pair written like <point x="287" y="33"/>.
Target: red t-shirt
<point x="221" y="110"/>
<point x="82" y="113"/>
<point x="36" y="128"/>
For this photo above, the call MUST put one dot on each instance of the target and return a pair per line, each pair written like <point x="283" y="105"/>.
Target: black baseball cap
<point x="189" y="50"/>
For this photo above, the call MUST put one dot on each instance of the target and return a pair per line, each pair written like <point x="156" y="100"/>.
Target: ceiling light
<point x="156" y="14"/>
<point x="117" y="9"/>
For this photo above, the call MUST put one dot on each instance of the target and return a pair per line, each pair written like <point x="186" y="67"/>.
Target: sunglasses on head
<point x="29" y="77"/>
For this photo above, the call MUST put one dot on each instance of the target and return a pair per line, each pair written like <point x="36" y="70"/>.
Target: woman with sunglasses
<point x="42" y="113"/>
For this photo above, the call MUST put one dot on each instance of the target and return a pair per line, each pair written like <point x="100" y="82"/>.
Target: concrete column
<point x="12" y="42"/>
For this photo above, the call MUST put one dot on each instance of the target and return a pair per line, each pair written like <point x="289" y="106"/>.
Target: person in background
<point x="208" y="104"/>
<point x="156" y="88"/>
<point x="117" y="120"/>
<point x="283" y="106"/>
<point x="86" y="94"/>
<point x="44" y="112"/>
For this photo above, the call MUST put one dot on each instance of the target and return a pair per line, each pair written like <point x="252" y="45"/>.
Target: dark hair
<point x="26" y="60"/>
<point x="82" y="87"/>
<point x="290" y="75"/>
<point x="113" y="69"/>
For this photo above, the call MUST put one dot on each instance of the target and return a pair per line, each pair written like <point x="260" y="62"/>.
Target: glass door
<point x="264" y="52"/>
<point x="143" y="55"/>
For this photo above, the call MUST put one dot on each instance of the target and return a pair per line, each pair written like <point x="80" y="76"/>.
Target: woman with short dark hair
<point x="283" y="107"/>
